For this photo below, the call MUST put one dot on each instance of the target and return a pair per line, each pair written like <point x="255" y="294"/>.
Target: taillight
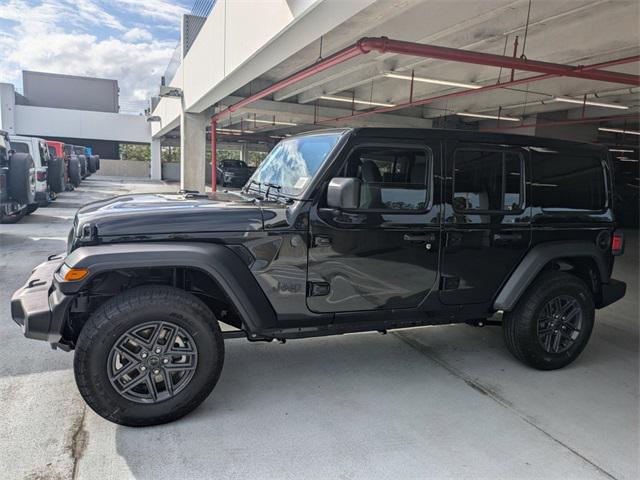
<point x="41" y="176"/>
<point x="617" y="243"/>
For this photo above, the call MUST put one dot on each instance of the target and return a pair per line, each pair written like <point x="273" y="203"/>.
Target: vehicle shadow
<point x="309" y="402"/>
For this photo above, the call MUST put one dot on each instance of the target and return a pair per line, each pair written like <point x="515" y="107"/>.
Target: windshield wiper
<point x="248" y="189"/>
<point x="270" y="186"/>
<point x="287" y="199"/>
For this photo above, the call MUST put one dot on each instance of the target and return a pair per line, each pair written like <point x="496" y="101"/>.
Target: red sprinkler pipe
<point x="386" y="45"/>
<point x="487" y="88"/>
<point x="562" y="122"/>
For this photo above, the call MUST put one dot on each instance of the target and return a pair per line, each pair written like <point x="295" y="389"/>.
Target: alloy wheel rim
<point x="559" y="324"/>
<point x="152" y="362"/>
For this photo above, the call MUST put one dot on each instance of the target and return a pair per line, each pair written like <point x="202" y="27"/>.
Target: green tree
<point x="130" y="151"/>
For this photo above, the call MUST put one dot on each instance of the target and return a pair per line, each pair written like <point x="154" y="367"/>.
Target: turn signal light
<point x="617" y="244"/>
<point x="74" y="274"/>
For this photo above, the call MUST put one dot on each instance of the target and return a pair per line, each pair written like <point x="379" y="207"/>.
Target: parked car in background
<point x="17" y="182"/>
<point x="75" y="167"/>
<point x="37" y="148"/>
<point x="58" y="174"/>
<point x="232" y="173"/>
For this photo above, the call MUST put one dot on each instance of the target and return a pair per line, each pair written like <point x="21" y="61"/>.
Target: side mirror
<point x="11" y="152"/>
<point x="344" y="193"/>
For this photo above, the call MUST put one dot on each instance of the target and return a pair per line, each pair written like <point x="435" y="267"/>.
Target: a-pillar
<point x="156" y="160"/>
<point x="193" y="140"/>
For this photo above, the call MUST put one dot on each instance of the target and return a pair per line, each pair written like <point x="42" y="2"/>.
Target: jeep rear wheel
<point x="75" y="175"/>
<point x="22" y="178"/>
<point x="148" y="356"/>
<point x="551" y="323"/>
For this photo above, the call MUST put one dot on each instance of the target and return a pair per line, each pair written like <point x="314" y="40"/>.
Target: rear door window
<point x="487" y="181"/>
<point x="567" y="181"/>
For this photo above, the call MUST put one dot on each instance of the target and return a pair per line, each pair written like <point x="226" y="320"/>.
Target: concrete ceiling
<point x="576" y="32"/>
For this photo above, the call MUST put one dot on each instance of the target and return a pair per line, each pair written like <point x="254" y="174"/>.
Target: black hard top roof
<point x="461" y="135"/>
<point x="472" y="136"/>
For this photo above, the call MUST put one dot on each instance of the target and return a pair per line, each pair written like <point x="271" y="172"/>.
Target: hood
<point x="143" y="215"/>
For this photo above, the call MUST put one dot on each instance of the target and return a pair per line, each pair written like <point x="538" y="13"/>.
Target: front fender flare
<point x="534" y="262"/>
<point x="224" y="266"/>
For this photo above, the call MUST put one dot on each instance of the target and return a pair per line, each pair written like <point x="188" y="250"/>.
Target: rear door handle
<point x="507" y="236"/>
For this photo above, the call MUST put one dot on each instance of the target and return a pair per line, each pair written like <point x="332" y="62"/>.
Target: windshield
<point x="233" y="164"/>
<point x="293" y="162"/>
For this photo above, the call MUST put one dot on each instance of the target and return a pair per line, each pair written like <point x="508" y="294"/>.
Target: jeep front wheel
<point x="552" y="322"/>
<point x="148" y="356"/>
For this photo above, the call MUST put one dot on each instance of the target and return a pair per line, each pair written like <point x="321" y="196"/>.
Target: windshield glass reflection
<point x="291" y="165"/>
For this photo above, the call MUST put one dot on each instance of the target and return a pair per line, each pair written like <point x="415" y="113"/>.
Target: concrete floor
<point x="438" y="402"/>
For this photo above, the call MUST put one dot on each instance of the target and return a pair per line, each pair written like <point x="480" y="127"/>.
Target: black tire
<point x="84" y="171"/>
<point x="97" y="162"/>
<point x="75" y="174"/>
<point x="521" y="326"/>
<point x="136" y="308"/>
<point x="22" y="178"/>
<point x="15" y="218"/>
<point x="92" y="164"/>
<point x="55" y="175"/>
<point x="32" y="207"/>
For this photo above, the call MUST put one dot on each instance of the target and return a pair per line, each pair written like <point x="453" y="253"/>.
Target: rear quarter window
<point x="20" y="147"/>
<point x="564" y="181"/>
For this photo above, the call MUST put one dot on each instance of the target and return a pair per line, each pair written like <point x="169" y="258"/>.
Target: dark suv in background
<point x="337" y="231"/>
<point x="232" y="173"/>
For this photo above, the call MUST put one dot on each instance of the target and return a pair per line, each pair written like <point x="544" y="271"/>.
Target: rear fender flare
<point x="535" y="261"/>
<point x="224" y="266"/>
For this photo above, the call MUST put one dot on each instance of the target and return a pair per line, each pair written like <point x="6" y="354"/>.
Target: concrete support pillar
<point x="156" y="160"/>
<point x="244" y="152"/>
<point x="7" y="108"/>
<point x="193" y="140"/>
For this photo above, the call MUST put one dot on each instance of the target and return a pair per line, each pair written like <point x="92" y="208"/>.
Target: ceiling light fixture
<point x="621" y="150"/>
<point x="618" y="130"/>
<point x="590" y="103"/>
<point x="270" y="122"/>
<point x="361" y="102"/>
<point x="431" y="80"/>
<point x="233" y="130"/>
<point x="488" y="117"/>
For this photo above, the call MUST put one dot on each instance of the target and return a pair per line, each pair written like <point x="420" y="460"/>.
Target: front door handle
<point x="322" y="241"/>
<point x="408" y="237"/>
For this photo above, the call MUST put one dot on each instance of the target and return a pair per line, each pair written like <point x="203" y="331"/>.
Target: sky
<point x="130" y="41"/>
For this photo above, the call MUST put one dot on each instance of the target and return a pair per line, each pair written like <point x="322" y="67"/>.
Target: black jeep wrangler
<point x="337" y="231"/>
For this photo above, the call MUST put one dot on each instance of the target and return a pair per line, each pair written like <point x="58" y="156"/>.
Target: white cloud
<point x="137" y="35"/>
<point x="57" y="37"/>
<point x="160" y="9"/>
